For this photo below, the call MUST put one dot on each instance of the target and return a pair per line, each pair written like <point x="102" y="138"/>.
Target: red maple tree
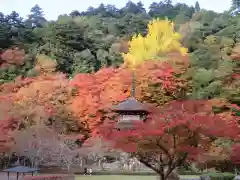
<point x="109" y="86"/>
<point x="178" y="132"/>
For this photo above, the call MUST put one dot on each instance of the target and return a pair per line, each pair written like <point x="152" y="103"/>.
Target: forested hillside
<point x="80" y="41"/>
<point x="83" y="42"/>
<point x="41" y="60"/>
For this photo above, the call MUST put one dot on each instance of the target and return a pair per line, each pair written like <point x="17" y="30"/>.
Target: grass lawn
<point x="119" y="177"/>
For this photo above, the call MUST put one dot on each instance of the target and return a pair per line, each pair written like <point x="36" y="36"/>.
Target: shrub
<point x="49" y="177"/>
<point x="219" y="176"/>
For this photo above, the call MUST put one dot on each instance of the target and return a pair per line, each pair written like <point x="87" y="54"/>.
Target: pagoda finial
<point x="133" y="88"/>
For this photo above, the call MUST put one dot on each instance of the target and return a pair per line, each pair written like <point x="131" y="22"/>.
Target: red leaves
<point x="99" y="91"/>
<point x="236" y="76"/>
<point x="236" y="107"/>
<point x="179" y="127"/>
<point x="161" y="73"/>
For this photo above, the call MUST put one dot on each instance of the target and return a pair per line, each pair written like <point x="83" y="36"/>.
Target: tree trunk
<point x="160" y="177"/>
<point x="68" y="168"/>
<point x="32" y="163"/>
<point x="81" y="163"/>
<point x="172" y="176"/>
<point x="100" y="164"/>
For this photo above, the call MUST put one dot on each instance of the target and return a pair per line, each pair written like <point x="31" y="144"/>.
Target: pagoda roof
<point x="131" y="104"/>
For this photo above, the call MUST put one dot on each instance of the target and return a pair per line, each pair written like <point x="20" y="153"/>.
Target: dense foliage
<point x="67" y="73"/>
<point x="181" y="131"/>
<point x="79" y="42"/>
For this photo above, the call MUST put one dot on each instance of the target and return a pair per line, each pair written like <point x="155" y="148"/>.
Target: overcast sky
<point x="53" y="8"/>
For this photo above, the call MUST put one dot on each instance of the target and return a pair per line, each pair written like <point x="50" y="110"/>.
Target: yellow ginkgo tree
<point x="161" y="39"/>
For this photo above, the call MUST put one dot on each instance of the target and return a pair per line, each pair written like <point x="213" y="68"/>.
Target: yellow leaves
<point x="45" y="64"/>
<point x="210" y="39"/>
<point x="183" y="51"/>
<point x="161" y="39"/>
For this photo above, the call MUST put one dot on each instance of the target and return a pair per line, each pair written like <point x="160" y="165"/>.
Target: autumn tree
<point x="44" y="98"/>
<point x="14" y="62"/>
<point x="157" y="82"/>
<point x="63" y="153"/>
<point x="108" y="86"/>
<point x="35" y="95"/>
<point x="180" y="131"/>
<point x="8" y="123"/>
<point x="14" y="56"/>
<point x="34" y="143"/>
<point x="96" y="149"/>
<point x="44" y="146"/>
<point x="160" y="40"/>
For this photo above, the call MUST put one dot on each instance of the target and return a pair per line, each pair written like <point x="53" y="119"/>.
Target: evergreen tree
<point x="5" y="39"/>
<point x="141" y="7"/>
<point x="197" y="7"/>
<point x="133" y="8"/>
<point x="235" y="4"/>
<point x="75" y="13"/>
<point x="36" y="18"/>
<point x="168" y="3"/>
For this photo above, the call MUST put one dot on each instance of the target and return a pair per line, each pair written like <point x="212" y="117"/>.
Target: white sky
<point x="53" y="8"/>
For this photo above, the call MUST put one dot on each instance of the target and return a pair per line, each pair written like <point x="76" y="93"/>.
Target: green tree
<point x="36" y="18"/>
<point x="235" y="4"/>
<point x="197" y="7"/>
<point x="161" y="9"/>
<point x="5" y="38"/>
<point x="133" y="8"/>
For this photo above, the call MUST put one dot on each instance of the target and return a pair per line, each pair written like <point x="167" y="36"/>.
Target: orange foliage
<point x="39" y="98"/>
<point x="12" y="87"/>
<point x="98" y="91"/>
<point x="216" y="153"/>
<point x="7" y="124"/>
<point x="109" y="86"/>
<point x="44" y="87"/>
<point x="226" y="109"/>
<point x="14" y="56"/>
<point x="45" y="64"/>
<point x="42" y="99"/>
